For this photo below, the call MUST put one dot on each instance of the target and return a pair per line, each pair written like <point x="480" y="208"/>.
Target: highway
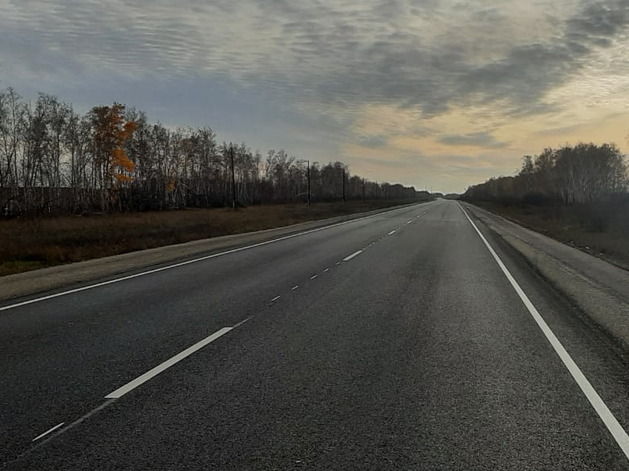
<point x="411" y="339"/>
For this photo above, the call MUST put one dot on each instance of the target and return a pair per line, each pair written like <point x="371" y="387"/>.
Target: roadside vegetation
<point x="54" y="161"/>
<point x="577" y="194"/>
<point x="29" y="244"/>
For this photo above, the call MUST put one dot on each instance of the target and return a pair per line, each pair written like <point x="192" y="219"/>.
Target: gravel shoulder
<point x="599" y="288"/>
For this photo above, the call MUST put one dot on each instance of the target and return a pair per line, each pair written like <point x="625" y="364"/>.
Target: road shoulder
<point x="598" y="288"/>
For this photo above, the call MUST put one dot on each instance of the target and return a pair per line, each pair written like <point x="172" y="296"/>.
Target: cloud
<point x="478" y="139"/>
<point x="390" y="164"/>
<point x="430" y="55"/>
<point x="374" y="142"/>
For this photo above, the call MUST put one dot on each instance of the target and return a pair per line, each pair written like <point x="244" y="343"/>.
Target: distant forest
<point x="581" y="174"/>
<point x="54" y="160"/>
<point x="583" y="186"/>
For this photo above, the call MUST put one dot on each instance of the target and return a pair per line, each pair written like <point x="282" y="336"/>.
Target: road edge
<point x="44" y="280"/>
<point x="602" y="304"/>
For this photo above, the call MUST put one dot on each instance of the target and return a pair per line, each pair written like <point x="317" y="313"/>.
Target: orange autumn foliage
<point x="111" y="132"/>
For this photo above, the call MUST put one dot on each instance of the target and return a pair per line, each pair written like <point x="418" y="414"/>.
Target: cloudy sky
<point x="431" y="93"/>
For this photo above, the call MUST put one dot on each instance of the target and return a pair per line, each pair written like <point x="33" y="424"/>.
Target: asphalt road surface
<point x="396" y="341"/>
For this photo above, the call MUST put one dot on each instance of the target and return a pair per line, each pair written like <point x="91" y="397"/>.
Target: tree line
<point x="582" y="174"/>
<point x="112" y="158"/>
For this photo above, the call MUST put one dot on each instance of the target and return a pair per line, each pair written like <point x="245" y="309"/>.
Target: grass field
<point x="601" y="230"/>
<point x="29" y="244"/>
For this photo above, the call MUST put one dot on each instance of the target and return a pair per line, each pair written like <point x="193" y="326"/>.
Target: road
<point x="390" y="342"/>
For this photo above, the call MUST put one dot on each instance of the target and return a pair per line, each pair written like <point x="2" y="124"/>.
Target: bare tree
<point x="113" y="158"/>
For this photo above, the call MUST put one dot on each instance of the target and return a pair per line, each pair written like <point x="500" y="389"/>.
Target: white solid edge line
<point x="48" y="432"/>
<point x="392" y="232"/>
<point x="130" y="386"/>
<point x="188" y="262"/>
<point x="597" y="403"/>
<point x="355" y="254"/>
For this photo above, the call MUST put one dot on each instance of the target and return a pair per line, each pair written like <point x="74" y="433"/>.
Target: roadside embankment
<point x="34" y="243"/>
<point x="599" y="288"/>
<point x="62" y="276"/>
<point x="600" y="229"/>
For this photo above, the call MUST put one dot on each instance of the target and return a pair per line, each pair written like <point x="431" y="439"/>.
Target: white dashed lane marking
<point x="48" y="431"/>
<point x="130" y="386"/>
<point x="355" y="254"/>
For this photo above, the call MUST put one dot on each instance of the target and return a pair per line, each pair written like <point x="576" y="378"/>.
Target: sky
<point x="437" y="94"/>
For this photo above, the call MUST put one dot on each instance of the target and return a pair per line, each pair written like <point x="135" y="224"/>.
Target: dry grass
<point x="602" y="231"/>
<point x="37" y="243"/>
